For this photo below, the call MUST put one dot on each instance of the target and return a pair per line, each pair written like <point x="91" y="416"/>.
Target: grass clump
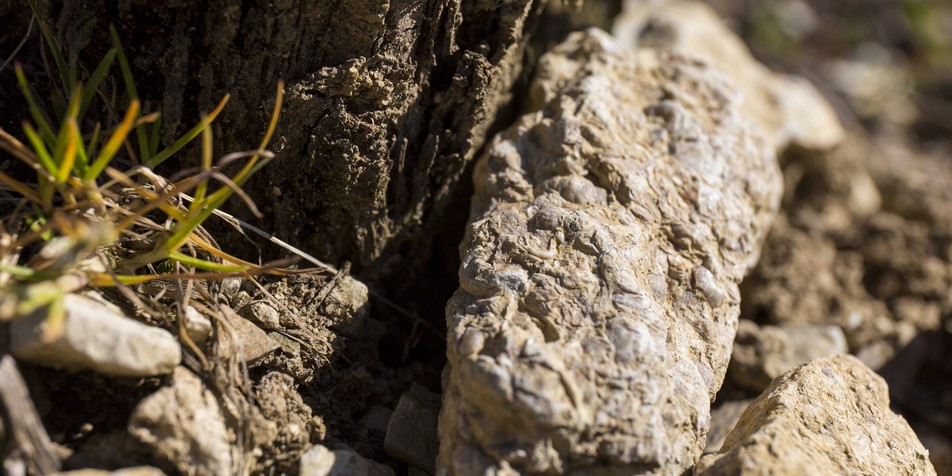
<point x="97" y="214"/>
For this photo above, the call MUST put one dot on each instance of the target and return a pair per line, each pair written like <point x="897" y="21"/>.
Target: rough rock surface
<point x="762" y="354"/>
<point x="134" y="471"/>
<point x="320" y="461"/>
<point x="411" y="431"/>
<point x="830" y="416"/>
<point x="96" y="336"/>
<point x="183" y="423"/>
<point x="788" y="108"/>
<point x="598" y="289"/>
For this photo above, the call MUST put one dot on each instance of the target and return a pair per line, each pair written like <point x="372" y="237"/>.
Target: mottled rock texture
<point x="598" y="288"/>
<point x="183" y="423"/>
<point x="830" y="416"/>
<point x="788" y="109"/>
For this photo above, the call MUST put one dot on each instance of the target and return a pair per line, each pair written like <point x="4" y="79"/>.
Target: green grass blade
<point x="39" y="116"/>
<point x="141" y="134"/>
<point x="206" y="265"/>
<point x="202" y="187"/>
<point x="63" y="157"/>
<point x="42" y="153"/>
<point x="54" y="48"/>
<point x="69" y="154"/>
<point x="154" y="139"/>
<point x="93" y="140"/>
<point x="99" y="74"/>
<point x="185" y="139"/>
<point x="123" y="64"/>
<point x="114" y="143"/>
<point x="19" y="272"/>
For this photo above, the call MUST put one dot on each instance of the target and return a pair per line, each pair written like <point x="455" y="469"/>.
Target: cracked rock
<point x="830" y="416"/>
<point x="598" y="294"/>
<point x="183" y="423"/>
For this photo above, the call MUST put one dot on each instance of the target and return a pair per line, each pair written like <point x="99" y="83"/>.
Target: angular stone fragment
<point x="320" y="461"/>
<point x="183" y="423"/>
<point x="763" y="353"/>
<point x="830" y="416"/>
<point x="598" y="287"/>
<point x="411" y="431"/>
<point x="197" y="326"/>
<point x="245" y="339"/>
<point x="96" y="337"/>
<point x="788" y="108"/>
<point x="134" y="471"/>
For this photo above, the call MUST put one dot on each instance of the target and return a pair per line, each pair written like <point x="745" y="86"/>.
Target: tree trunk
<point x="387" y="101"/>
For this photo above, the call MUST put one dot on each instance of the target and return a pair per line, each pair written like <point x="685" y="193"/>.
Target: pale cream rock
<point x="96" y="336"/>
<point x="183" y="423"/>
<point x="830" y="416"/>
<point x="788" y="109"/>
<point x="598" y="296"/>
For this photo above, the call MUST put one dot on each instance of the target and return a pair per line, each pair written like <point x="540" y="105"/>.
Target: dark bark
<point x="387" y="102"/>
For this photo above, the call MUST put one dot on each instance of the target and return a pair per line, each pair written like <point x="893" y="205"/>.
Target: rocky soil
<point x="677" y="260"/>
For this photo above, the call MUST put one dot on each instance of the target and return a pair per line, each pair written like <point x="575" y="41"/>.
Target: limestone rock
<point x="376" y="420"/>
<point x="197" y="326"/>
<point x="830" y="416"/>
<point x="245" y="339"/>
<point x="788" y="108"/>
<point x="183" y="423"/>
<point x="762" y="354"/>
<point x="96" y="336"/>
<point x="598" y="287"/>
<point x="411" y="431"/>
<point x="262" y="314"/>
<point x="723" y="419"/>
<point x="133" y="471"/>
<point x="320" y="461"/>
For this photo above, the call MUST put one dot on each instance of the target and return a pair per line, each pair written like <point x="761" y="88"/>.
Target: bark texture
<point x="387" y="101"/>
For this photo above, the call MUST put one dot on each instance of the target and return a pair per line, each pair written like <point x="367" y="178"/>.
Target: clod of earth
<point x="598" y="294"/>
